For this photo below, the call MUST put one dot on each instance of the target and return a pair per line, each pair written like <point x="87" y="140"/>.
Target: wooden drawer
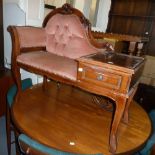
<point x="99" y="76"/>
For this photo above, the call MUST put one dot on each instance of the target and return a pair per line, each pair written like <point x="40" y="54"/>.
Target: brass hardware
<point x="99" y="77"/>
<point x="80" y="69"/>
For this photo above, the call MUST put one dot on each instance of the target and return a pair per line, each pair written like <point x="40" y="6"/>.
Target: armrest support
<point x="26" y="38"/>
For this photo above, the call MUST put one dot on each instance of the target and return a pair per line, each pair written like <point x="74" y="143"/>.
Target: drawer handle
<point x="80" y="69"/>
<point x="99" y="77"/>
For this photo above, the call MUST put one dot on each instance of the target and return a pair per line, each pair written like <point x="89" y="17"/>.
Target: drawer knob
<point x="80" y="69"/>
<point x="99" y="77"/>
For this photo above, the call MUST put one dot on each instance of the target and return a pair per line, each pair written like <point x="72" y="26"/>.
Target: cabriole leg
<point x="120" y="106"/>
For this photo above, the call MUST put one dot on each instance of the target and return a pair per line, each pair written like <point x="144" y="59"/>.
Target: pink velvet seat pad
<point x="50" y="63"/>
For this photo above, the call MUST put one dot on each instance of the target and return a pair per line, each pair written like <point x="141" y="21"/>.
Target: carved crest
<point x="85" y="22"/>
<point x="67" y="8"/>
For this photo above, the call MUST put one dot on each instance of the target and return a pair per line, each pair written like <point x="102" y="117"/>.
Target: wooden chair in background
<point x="26" y="83"/>
<point x="129" y="44"/>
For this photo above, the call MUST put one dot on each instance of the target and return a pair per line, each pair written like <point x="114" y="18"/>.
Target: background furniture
<point x="26" y="83"/>
<point x="1" y="36"/>
<point x="128" y="44"/>
<point x="6" y="81"/>
<point x="145" y="96"/>
<point x="126" y="17"/>
<point x="67" y="119"/>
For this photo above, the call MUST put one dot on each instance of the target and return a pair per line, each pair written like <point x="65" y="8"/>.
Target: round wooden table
<point x="67" y="119"/>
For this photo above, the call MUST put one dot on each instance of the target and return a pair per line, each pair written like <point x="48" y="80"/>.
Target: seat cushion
<point x="50" y="63"/>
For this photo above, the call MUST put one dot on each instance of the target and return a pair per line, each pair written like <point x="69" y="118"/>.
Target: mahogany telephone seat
<point x="64" y="50"/>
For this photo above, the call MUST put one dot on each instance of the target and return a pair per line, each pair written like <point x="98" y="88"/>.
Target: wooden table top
<point x="67" y="119"/>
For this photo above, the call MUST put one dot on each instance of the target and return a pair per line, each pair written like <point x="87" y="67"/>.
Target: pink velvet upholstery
<point x="66" y="36"/>
<point x="51" y="63"/>
<point x="65" y="40"/>
<point x="31" y="36"/>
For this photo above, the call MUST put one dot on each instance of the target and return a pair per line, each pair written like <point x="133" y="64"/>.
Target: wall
<point x="35" y="15"/>
<point x="102" y="16"/>
<point x="85" y="8"/>
<point x="80" y="5"/>
<point x="56" y="3"/>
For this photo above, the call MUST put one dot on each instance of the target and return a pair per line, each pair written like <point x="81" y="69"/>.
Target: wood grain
<point x="58" y="116"/>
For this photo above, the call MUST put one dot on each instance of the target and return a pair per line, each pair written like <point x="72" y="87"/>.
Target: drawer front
<point x="99" y="76"/>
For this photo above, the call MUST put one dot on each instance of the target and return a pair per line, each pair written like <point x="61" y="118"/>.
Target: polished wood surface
<point x="59" y="117"/>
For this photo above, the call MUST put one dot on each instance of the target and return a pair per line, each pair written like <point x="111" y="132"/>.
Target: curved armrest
<point x="26" y="38"/>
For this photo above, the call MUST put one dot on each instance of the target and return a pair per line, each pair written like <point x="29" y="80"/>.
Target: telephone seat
<point x="55" y="51"/>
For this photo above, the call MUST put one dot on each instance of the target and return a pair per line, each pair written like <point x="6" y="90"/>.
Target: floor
<point x="3" y="144"/>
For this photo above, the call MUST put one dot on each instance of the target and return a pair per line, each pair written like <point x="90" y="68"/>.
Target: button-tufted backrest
<point x="66" y="36"/>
